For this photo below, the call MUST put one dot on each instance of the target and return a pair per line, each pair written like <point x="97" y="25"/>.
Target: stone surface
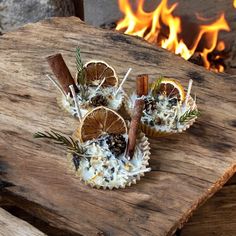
<point x="14" y="13"/>
<point x="99" y="12"/>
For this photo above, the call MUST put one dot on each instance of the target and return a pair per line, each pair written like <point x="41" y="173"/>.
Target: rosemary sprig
<point x="188" y="115"/>
<point x="81" y="75"/>
<point x="155" y="87"/>
<point x="72" y="145"/>
<point x="80" y="68"/>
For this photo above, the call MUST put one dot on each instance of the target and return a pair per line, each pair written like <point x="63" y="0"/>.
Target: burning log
<point x="152" y="26"/>
<point x="196" y="59"/>
<point x="219" y="60"/>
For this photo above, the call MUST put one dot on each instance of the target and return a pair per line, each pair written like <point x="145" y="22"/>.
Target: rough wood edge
<point x="216" y="215"/>
<point x="216" y="187"/>
<point x="9" y="198"/>
<point x="11" y="225"/>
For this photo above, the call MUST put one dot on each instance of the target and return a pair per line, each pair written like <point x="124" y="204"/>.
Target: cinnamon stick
<point x="142" y="85"/>
<point x="62" y="73"/>
<point x="134" y="125"/>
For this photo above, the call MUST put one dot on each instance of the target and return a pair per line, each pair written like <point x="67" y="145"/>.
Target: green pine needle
<point x="189" y="115"/>
<point x="81" y="75"/>
<point x="80" y="68"/>
<point x="72" y="145"/>
<point x="155" y="87"/>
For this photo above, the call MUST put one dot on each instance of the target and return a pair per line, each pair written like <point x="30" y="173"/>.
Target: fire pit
<point x="202" y="34"/>
<point x="176" y="34"/>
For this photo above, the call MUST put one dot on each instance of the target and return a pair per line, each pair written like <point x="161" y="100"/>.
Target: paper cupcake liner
<point x="145" y="148"/>
<point x="155" y="132"/>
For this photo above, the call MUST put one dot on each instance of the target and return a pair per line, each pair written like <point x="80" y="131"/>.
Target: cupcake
<point x="100" y="154"/>
<point x="168" y="107"/>
<point x="96" y="84"/>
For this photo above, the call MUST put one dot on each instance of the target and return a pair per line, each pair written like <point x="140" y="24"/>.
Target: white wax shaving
<point x="166" y="112"/>
<point x="114" y="101"/>
<point x="104" y="169"/>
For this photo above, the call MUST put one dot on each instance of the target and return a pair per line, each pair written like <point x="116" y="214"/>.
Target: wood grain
<point x="217" y="217"/>
<point x="186" y="169"/>
<point x="12" y="226"/>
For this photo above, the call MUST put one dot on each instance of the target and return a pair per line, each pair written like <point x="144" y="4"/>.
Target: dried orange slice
<point x="100" y="121"/>
<point x="170" y="88"/>
<point x="96" y="71"/>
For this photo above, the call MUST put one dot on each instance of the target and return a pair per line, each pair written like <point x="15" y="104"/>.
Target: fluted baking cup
<point x="155" y="131"/>
<point x="142" y="148"/>
<point x="66" y="107"/>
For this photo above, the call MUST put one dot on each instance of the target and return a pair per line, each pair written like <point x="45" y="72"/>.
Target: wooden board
<point x="12" y="226"/>
<point x="216" y="217"/>
<point x="186" y="169"/>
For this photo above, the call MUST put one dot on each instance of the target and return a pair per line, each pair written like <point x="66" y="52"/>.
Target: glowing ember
<point x="151" y="25"/>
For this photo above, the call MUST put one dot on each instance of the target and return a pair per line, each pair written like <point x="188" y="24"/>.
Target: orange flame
<point x="148" y="25"/>
<point x="234" y="3"/>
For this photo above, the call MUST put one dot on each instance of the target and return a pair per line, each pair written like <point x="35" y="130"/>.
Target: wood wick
<point x="189" y="91"/>
<point x="100" y="85"/>
<point x="76" y="102"/>
<point x="123" y="81"/>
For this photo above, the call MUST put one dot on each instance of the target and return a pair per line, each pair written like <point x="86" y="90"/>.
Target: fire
<point x="151" y="27"/>
<point x="234" y="3"/>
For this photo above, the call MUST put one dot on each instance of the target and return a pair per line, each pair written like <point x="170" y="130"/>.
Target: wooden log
<point x="186" y="169"/>
<point x="211" y="9"/>
<point x="13" y="226"/>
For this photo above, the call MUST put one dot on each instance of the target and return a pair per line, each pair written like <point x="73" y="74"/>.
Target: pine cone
<point x="159" y="121"/>
<point x="116" y="144"/>
<point x="76" y="161"/>
<point x="149" y="105"/>
<point x="98" y="100"/>
<point x="173" y="102"/>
